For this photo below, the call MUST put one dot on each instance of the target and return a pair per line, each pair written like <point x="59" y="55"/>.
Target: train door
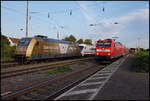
<point x="113" y="49"/>
<point x="37" y="50"/>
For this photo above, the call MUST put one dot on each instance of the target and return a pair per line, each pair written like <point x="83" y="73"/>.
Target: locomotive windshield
<point x="24" y="42"/>
<point x="104" y="44"/>
<point x="100" y="44"/>
<point x="81" y="48"/>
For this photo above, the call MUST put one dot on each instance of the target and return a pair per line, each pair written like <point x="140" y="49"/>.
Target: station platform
<point x="125" y="84"/>
<point x="118" y="81"/>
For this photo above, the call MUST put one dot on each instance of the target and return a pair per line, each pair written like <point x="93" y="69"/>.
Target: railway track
<point x="98" y="74"/>
<point x="12" y="64"/>
<point x="17" y="72"/>
<point x="7" y="61"/>
<point x="8" y="64"/>
<point x="44" y="86"/>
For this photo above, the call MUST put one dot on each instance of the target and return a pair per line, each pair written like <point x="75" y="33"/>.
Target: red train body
<point x="109" y="49"/>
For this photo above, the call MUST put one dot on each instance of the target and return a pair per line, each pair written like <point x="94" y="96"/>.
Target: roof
<point x="14" y="40"/>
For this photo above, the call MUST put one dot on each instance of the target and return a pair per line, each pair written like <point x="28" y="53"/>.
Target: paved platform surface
<point x="125" y="84"/>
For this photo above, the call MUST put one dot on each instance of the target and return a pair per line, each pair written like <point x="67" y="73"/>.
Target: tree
<point x="88" y="41"/>
<point x="80" y="41"/>
<point x="70" y="38"/>
<point x="66" y="39"/>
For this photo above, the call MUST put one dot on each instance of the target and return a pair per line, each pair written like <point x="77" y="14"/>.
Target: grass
<point x="82" y="63"/>
<point x="3" y="69"/>
<point x="63" y="68"/>
<point x="141" y="61"/>
<point x="7" y="59"/>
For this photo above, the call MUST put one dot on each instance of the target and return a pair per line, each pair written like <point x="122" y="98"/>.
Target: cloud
<point x="85" y="12"/>
<point x="107" y="26"/>
<point x="144" y="43"/>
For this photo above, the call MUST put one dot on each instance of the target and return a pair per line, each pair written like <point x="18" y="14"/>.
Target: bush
<point x="141" y="62"/>
<point x="7" y="52"/>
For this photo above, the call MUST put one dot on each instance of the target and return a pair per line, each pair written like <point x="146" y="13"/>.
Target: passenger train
<point x="87" y="50"/>
<point x="109" y="49"/>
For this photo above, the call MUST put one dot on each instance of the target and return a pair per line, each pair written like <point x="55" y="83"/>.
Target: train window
<point x="24" y="42"/>
<point x="92" y="49"/>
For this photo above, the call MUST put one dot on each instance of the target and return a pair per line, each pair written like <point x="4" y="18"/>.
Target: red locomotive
<point x="109" y="49"/>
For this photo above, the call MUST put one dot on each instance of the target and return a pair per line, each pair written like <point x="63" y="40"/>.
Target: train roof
<point x="58" y="41"/>
<point x="44" y="38"/>
<point x="85" y="45"/>
<point x="119" y="43"/>
<point x="29" y="38"/>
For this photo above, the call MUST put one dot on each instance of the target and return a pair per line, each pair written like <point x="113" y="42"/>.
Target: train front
<point x="21" y="49"/>
<point x="103" y="49"/>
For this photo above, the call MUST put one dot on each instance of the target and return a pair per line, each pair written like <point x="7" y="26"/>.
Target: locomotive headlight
<point x="107" y="50"/>
<point x="108" y="53"/>
<point x="99" y="50"/>
<point x="97" y="53"/>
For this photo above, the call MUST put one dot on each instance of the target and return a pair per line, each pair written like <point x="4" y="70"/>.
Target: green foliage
<point x="63" y="68"/>
<point x="6" y="51"/>
<point x="141" y="61"/>
<point x="80" y="41"/>
<point x="70" y="38"/>
<point x="4" y="41"/>
<point x="88" y="41"/>
<point x="82" y="63"/>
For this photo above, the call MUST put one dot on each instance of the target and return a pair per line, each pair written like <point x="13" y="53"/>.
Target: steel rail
<point x="11" y="64"/>
<point x="8" y="65"/>
<point x="43" y="84"/>
<point x="35" y="69"/>
<point x="59" y="92"/>
<point x="7" y="61"/>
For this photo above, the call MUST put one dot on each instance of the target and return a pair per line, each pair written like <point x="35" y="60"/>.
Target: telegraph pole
<point x="57" y="35"/>
<point x="27" y="20"/>
<point x="138" y="42"/>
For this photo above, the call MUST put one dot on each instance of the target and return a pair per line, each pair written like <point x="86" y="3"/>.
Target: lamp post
<point x="99" y="23"/>
<point x="113" y="23"/>
<point x="138" y="44"/>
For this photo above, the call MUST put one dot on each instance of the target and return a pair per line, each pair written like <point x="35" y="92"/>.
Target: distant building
<point x="13" y="41"/>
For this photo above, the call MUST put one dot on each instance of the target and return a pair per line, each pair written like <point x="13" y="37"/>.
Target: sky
<point x="51" y="17"/>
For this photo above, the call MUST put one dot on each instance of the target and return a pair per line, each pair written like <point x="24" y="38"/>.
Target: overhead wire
<point x="62" y="11"/>
<point x="37" y="17"/>
<point x="14" y="10"/>
<point x="90" y="5"/>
